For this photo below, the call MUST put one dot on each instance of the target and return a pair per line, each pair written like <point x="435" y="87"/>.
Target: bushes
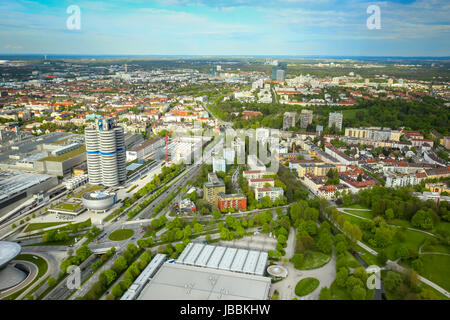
<point x="306" y="286"/>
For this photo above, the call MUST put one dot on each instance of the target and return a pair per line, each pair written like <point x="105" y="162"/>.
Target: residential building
<point x="219" y="165"/>
<point x="272" y="192"/>
<point x="289" y="120"/>
<point x="212" y="188"/>
<point x="306" y="117"/>
<point x="253" y="174"/>
<point x="236" y="201"/>
<point x="335" y="119"/>
<point x="261" y="183"/>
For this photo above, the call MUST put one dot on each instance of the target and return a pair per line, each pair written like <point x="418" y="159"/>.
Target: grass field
<point x="351" y="261"/>
<point x="38" y="226"/>
<point x="436" y="248"/>
<point x="88" y="189"/>
<point x="121" y="234"/>
<point x="315" y="259"/>
<point x="360" y="213"/>
<point x="400" y="223"/>
<point x="355" y="206"/>
<point x="306" y="286"/>
<point x="435" y="268"/>
<point x="56" y="243"/>
<point x="66" y="206"/>
<point x="392" y="295"/>
<point x="443" y="228"/>
<point x="413" y="240"/>
<point x="350" y="114"/>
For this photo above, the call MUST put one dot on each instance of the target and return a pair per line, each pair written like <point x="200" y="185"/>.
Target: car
<point x="132" y="238"/>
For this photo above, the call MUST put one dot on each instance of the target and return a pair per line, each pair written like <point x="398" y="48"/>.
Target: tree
<point x="392" y="281"/>
<point x="422" y="219"/>
<point x="325" y="242"/>
<point x="389" y="213"/>
<point x="358" y="293"/>
<point x="341" y="277"/>
<point x="417" y="264"/>
<point x="402" y="252"/>
<point x="110" y="275"/>
<point x="282" y="239"/>
<point x="298" y="259"/>
<point x="51" y="282"/>
<point x="198" y="228"/>
<point x="382" y="257"/>
<point x="120" y="264"/>
<point x="325" y="294"/>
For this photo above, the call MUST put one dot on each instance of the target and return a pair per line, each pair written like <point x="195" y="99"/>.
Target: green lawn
<point x="436" y="248"/>
<point x="66" y="206"/>
<point x="443" y="228"/>
<point x="121" y="234"/>
<point x="56" y="243"/>
<point x="393" y="296"/>
<point x="38" y="226"/>
<point x="360" y="213"/>
<point x="306" y="286"/>
<point x="42" y="269"/>
<point x="338" y="293"/>
<point x="400" y="223"/>
<point x="368" y="258"/>
<point x="355" y="206"/>
<point x="436" y="268"/>
<point x="88" y="189"/>
<point x="350" y="260"/>
<point x="413" y="240"/>
<point x="65" y="156"/>
<point x="315" y="259"/>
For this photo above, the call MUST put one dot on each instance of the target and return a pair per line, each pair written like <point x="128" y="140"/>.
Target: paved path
<point x="325" y="274"/>
<point x="441" y="253"/>
<point x="395" y="265"/>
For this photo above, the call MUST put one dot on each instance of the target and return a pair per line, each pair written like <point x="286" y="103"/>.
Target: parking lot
<point x="262" y="242"/>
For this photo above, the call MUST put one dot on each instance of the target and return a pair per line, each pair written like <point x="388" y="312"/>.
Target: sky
<point x="226" y="27"/>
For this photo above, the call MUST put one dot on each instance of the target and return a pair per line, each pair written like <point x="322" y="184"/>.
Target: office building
<point x="279" y="71"/>
<point x="106" y="156"/>
<point x="335" y="119"/>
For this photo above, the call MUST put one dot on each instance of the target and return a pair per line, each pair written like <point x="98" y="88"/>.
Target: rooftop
<point x="182" y="282"/>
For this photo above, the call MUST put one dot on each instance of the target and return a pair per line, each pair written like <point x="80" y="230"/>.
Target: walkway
<point x="286" y="287"/>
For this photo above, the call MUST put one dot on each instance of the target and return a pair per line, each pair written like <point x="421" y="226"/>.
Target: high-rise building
<point x="279" y="71"/>
<point x="335" y="119"/>
<point x="106" y="155"/>
<point x="306" y="117"/>
<point x="289" y="120"/>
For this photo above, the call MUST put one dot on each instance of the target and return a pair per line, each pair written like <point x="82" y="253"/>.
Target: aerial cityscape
<point x="182" y="167"/>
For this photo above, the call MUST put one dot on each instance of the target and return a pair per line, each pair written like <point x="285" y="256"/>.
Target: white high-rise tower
<point x="106" y="156"/>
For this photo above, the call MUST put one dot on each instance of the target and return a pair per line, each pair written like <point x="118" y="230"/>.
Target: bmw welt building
<point x="106" y="155"/>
